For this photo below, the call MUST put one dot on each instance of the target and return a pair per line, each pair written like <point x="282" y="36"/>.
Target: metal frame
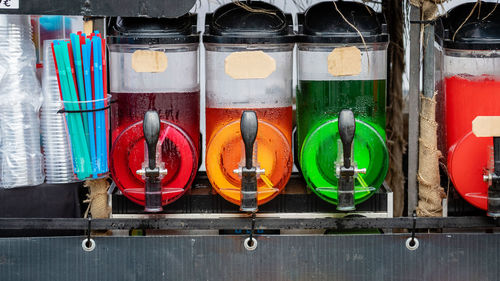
<point x="243" y="221"/>
<point x="414" y="110"/>
<point x="296" y="201"/>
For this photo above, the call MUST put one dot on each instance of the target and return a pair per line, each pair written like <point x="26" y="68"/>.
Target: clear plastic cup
<point x="55" y="142"/>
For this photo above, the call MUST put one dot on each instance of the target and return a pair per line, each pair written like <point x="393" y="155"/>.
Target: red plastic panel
<point x="178" y="156"/>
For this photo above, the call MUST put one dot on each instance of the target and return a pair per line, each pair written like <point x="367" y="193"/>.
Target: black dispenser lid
<point x="480" y="32"/>
<point x="248" y="22"/>
<point x="132" y="30"/>
<point x="322" y="23"/>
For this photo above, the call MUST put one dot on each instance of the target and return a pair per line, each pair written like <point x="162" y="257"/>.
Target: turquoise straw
<point x="75" y="46"/>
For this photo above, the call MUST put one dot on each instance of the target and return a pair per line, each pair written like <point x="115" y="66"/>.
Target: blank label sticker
<point x="486" y="126"/>
<point x="249" y="65"/>
<point x="344" y="61"/>
<point x="149" y="61"/>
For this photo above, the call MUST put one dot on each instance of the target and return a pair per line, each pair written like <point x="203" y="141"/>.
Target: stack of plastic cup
<point x="55" y="140"/>
<point x="20" y="153"/>
<point x="20" y="146"/>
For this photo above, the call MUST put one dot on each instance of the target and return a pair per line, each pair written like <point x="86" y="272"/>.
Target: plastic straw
<point x="75" y="45"/>
<point x="86" y="49"/>
<point x="63" y="85"/>
<point x="105" y="89"/>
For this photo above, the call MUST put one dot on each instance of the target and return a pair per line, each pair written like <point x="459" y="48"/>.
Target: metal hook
<point x="89" y="227"/>
<point x="88" y="244"/>
<point x="412" y="242"/>
<point x="251" y="243"/>
<point x="253" y="226"/>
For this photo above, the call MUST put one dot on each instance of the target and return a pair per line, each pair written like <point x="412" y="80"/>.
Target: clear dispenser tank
<point x="338" y="71"/>
<point x="249" y="56"/>
<point x="471" y="90"/>
<point x="154" y="66"/>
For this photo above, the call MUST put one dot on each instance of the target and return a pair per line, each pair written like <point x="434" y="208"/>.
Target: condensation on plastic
<point x="471" y="62"/>
<point x="55" y="140"/>
<point x="20" y="101"/>
<point x="373" y="61"/>
<point x="180" y="76"/>
<point x="225" y="92"/>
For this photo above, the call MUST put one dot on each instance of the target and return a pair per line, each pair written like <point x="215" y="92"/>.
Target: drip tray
<point x="295" y="201"/>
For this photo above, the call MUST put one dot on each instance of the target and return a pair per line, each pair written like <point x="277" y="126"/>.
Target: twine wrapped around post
<point x="430" y="191"/>
<point x="97" y="198"/>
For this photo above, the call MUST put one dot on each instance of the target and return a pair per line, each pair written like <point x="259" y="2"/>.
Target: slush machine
<point x="155" y="114"/>
<point x="341" y="102"/>
<point x="471" y="86"/>
<point x="248" y="102"/>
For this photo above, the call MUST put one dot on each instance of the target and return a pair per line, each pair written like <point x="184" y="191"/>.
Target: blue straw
<point x="86" y="50"/>
<point x="96" y="48"/>
<point x="102" y="112"/>
<point x="102" y="117"/>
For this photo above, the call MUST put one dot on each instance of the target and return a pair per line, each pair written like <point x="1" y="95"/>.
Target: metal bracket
<point x="251" y="243"/>
<point x="412" y="243"/>
<point x="88" y="244"/>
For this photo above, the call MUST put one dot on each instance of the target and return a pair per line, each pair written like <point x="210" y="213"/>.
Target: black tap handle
<point x="151" y="128"/>
<point x="496" y="154"/>
<point x="347" y="128"/>
<point x="249" y="127"/>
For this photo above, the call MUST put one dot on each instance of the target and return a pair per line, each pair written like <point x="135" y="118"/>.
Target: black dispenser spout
<point x="249" y="128"/>
<point x="153" y="193"/>
<point x="494" y="182"/>
<point x="347" y="172"/>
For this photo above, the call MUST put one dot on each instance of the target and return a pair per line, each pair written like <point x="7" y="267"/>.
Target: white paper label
<point x="9" y="4"/>
<point x="149" y="61"/>
<point x="486" y="126"/>
<point x="344" y="61"/>
<point x="249" y="65"/>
